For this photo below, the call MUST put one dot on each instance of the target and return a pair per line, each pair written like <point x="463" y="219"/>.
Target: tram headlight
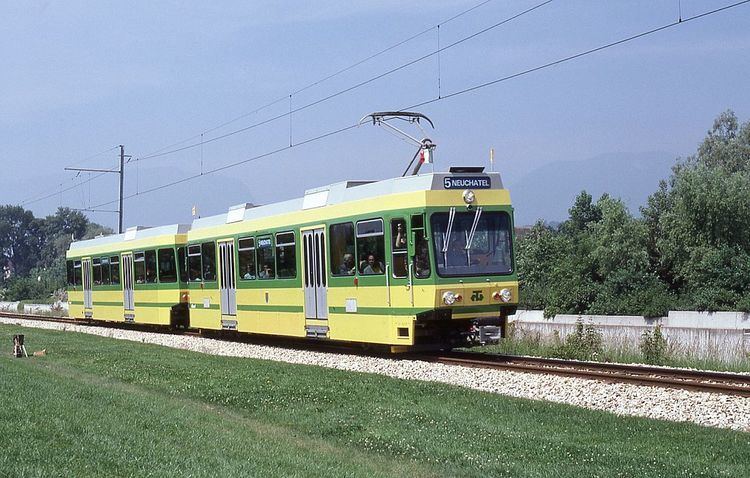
<point x="469" y="196"/>
<point x="449" y="298"/>
<point x="506" y="295"/>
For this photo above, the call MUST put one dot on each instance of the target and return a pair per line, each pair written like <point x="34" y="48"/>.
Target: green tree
<point x="58" y="231"/>
<point x="698" y="221"/>
<point x="34" y="250"/>
<point x="19" y="239"/>
<point x="583" y="213"/>
<point x="622" y="270"/>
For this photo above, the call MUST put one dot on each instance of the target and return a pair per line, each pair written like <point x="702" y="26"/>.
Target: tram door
<point x="316" y="293"/>
<point x="228" y="281"/>
<point x="128" y="299"/>
<point x="87" y="297"/>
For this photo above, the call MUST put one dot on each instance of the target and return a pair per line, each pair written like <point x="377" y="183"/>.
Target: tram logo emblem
<point x="475" y="182"/>
<point x="477" y="296"/>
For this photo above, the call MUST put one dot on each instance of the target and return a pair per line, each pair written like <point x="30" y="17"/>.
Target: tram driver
<point x="456" y="255"/>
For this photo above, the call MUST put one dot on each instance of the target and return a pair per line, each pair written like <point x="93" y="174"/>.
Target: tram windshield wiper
<point x="451" y="217"/>
<point x="474" y="225"/>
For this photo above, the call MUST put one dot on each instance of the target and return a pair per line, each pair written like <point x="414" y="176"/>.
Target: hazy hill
<point x="548" y="191"/>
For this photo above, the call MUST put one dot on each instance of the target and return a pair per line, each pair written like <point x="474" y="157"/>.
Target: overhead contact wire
<point x="353" y="87"/>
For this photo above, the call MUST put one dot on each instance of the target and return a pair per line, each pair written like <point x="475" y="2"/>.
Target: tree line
<point x="688" y="250"/>
<point x="32" y="251"/>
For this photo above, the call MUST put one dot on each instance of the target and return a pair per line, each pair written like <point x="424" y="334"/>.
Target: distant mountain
<point x="548" y="191"/>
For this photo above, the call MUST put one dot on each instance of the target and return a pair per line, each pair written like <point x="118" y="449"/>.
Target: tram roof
<point x="132" y="233"/>
<point x="338" y="193"/>
<point x="332" y="194"/>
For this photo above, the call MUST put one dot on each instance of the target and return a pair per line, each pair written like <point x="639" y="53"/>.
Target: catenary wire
<point x="161" y="152"/>
<point x="60" y="191"/>
<point x="324" y="79"/>
<point x="451" y="95"/>
<point x="347" y="89"/>
<point x="36" y="197"/>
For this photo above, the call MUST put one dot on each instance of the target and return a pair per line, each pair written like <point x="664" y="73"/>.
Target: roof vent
<point x="131" y="232"/>
<point x="315" y="199"/>
<point x="237" y="213"/>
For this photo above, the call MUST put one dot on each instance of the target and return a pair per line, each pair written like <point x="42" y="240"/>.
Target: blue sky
<point x="81" y="77"/>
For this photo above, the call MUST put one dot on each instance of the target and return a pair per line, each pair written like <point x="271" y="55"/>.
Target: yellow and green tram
<point x="414" y="262"/>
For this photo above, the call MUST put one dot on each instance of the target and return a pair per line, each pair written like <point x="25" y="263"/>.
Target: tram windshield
<point x="471" y="243"/>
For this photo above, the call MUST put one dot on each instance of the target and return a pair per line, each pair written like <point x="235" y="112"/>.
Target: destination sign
<point x="464" y="182"/>
<point x="264" y="243"/>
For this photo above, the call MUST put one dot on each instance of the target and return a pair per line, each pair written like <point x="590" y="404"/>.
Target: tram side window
<point x="208" y="250"/>
<point x="286" y="257"/>
<point x="114" y="264"/>
<point x="167" y="268"/>
<point x="341" y="237"/>
<point x="77" y="277"/>
<point x="150" y="267"/>
<point x="194" y="263"/>
<point x="97" y="271"/>
<point x="71" y="274"/>
<point x="139" y="267"/>
<point x="421" y="247"/>
<point x="246" y="253"/>
<point x="265" y="258"/>
<point x="105" y="271"/>
<point x="400" y="254"/>
<point x="182" y="264"/>
<point x="370" y="247"/>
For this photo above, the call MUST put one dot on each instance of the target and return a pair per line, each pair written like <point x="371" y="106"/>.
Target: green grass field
<point x="102" y="407"/>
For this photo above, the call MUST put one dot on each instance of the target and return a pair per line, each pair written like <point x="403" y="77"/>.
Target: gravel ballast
<point x="708" y="409"/>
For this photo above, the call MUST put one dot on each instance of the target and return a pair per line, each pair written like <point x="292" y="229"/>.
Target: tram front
<point x="471" y="243"/>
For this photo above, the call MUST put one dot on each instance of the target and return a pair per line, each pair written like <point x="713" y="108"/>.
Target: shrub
<point x="585" y="343"/>
<point x="654" y="346"/>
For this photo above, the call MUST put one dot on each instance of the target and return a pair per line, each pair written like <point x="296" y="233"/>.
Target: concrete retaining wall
<point x="9" y="306"/>
<point x="722" y="335"/>
<point x="33" y="308"/>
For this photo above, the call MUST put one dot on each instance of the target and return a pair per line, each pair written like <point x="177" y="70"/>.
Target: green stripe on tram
<point x="269" y="308"/>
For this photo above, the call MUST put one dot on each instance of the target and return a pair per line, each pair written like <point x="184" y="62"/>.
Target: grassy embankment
<point x="102" y="407"/>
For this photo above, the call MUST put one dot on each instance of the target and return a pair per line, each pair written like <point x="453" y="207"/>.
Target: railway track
<point x="696" y="380"/>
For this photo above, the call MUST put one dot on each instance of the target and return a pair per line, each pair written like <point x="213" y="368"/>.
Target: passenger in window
<point x="400" y="241"/>
<point x="347" y="265"/>
<point x="373" y="266"/>
<point x="150" y="276"/>
<point x="363" y="263"/>
<point x="248" y="273"/>
<point x="267" y="272"/>
<point x="422" y="262"/>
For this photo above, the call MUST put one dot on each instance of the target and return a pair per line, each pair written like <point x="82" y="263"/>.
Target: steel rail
<point x="696" y="380"/>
